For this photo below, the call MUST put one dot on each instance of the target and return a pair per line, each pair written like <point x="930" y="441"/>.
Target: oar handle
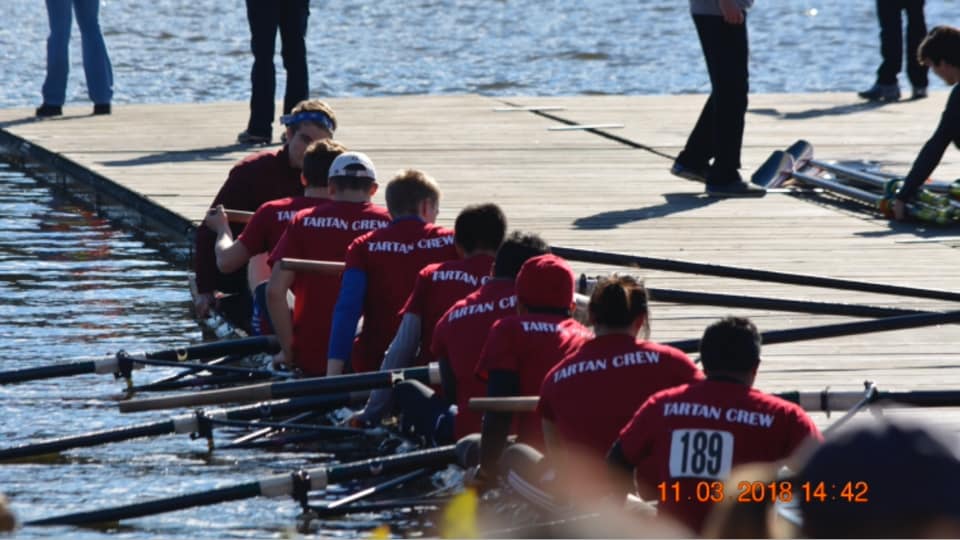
<point x="308" y="265"/>
<point x="238" y="216"/>
<point x="504" y="404"/>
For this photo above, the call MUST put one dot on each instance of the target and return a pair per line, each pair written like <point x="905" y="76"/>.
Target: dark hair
<point x="317" y="160"/>
<point x="730" y="344"/>
<point x="942" y="44"/>
<point x="407" y="190"/>
<point x="617" y="301"/>
<point x="314" y="105"/>
<point x="480" y="226"/>
<point x="515" y="250"/>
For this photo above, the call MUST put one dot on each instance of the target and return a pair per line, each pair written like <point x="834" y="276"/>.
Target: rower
<point x="522" y="348"/>
<point x="256" y="179"/>
<point x="690" y="437"/>
<point x="253" y="246"/>
<point x="478" y="232"/>
<point x="380" y="271"/>
<point x="320" y="233"/>
<point x="457" y="341"/>
<point x="940" y="50"/>
<point x="615" y="364"/>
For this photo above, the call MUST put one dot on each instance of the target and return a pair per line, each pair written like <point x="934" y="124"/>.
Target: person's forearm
<point x="280" y="316"/>
<point x="346" y="314"/>
<point x="400" y="354"/>
<point x="927" y="160"/>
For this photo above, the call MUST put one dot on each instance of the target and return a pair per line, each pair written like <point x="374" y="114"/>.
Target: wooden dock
<point x="581" y="189"/>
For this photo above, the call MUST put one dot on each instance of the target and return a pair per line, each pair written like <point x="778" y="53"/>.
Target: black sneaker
<point x="245" y="137"/>
<point x="919" y="92"/>
<point x="689" y="173"/>
<point x="735" y="189"/>
<point x="45" y="111"/>
<point x="882" y="92"/>
<point x="101" y="108"/>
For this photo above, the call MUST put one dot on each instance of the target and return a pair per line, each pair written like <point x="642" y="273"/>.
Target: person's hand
<point x="216" y="219"/>
<point x="899" y="210"/>
<point x="732" y="14"/>
<point x="280" y="362"/>
<point x="202" y="304"/>
<point x="356" y="420"/>
<point x="334" y="367"/>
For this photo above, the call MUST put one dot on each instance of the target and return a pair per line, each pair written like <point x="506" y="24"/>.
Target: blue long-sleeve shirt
<point x="346" y="314"/>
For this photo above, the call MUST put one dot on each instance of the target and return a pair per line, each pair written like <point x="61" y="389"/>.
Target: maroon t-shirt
<point x="270" y="220"/>
<point x="321" y="233"/>
<point x="699" y="432"/>
<point x="256" y="179"/>
<point x="391" y="258"/>
<point x="459" y="337"/>
<point x="437" y="287"/>
<point x="530" y="345"/>
<point x="623" y="370"/>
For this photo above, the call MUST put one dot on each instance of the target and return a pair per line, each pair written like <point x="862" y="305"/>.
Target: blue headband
<point x="319" y="117"/>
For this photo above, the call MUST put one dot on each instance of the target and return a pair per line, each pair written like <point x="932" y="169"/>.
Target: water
<point x="72" y="286"/>
<point x="198" y="50"/>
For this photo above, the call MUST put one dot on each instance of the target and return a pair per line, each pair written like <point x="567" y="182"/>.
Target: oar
<point x="774" y="304"/>
<point x="897" y="322"/>
<point x="238" y="216"/>
<point x="309" y="265"/>
<point x="114" y="363"/>
<point x="299" y="483"/>
<point x="370" y="491"/>
<point x="188" y="423"/>
<point x="260" y="392"/>
<point x="823" y="401"/>
<point x="620" y="259"/>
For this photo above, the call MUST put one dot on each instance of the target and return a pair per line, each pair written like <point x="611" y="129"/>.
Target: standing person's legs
<point x="732" y="85"/>
<point x="60" y="18"/>
<point x="262" y="17"/>
<point x="891" y="41"/>
<point x="916" y="31"/>
<point x="293" y="49"/>
<point x="726" y="51"/>
<point x="96" y="62"/>
<point x="699" y="150"/>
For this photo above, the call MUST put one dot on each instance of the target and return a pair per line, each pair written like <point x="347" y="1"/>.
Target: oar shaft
<point x="248" y="345"/>
<point x="273" y="486"/>
<point x="180" y="424"/>
<point x="619" y="259"/>
<point x="89" y="439"/>
<point x="775" y="304"/>
<point x="47" y="372"/>
<point x="505" y="404"/>
<point x="308" y="265"/>
<point x="110" y="515"/>
<point x="899" y="322"/>
<point x="259" y="392"/>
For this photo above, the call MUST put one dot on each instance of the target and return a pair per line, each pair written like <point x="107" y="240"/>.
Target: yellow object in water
<point x="460" y="516"/>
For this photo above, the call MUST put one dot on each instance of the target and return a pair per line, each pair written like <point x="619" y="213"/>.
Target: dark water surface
<point x="198" y="50"/>
<point x="72" y="286"/>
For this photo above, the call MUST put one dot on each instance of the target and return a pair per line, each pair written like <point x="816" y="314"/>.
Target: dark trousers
<point x="423" y="413"/>
<point x="891" y="41"/>
<point x="265" y="18"/>
<point x="718" y="134"/>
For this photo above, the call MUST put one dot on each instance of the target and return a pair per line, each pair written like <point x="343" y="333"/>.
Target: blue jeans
<point x="266" y="17"/>
<point x="96" y="63"/>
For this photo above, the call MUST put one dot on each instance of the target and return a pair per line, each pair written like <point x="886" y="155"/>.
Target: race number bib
<point x="701" y="453"/>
